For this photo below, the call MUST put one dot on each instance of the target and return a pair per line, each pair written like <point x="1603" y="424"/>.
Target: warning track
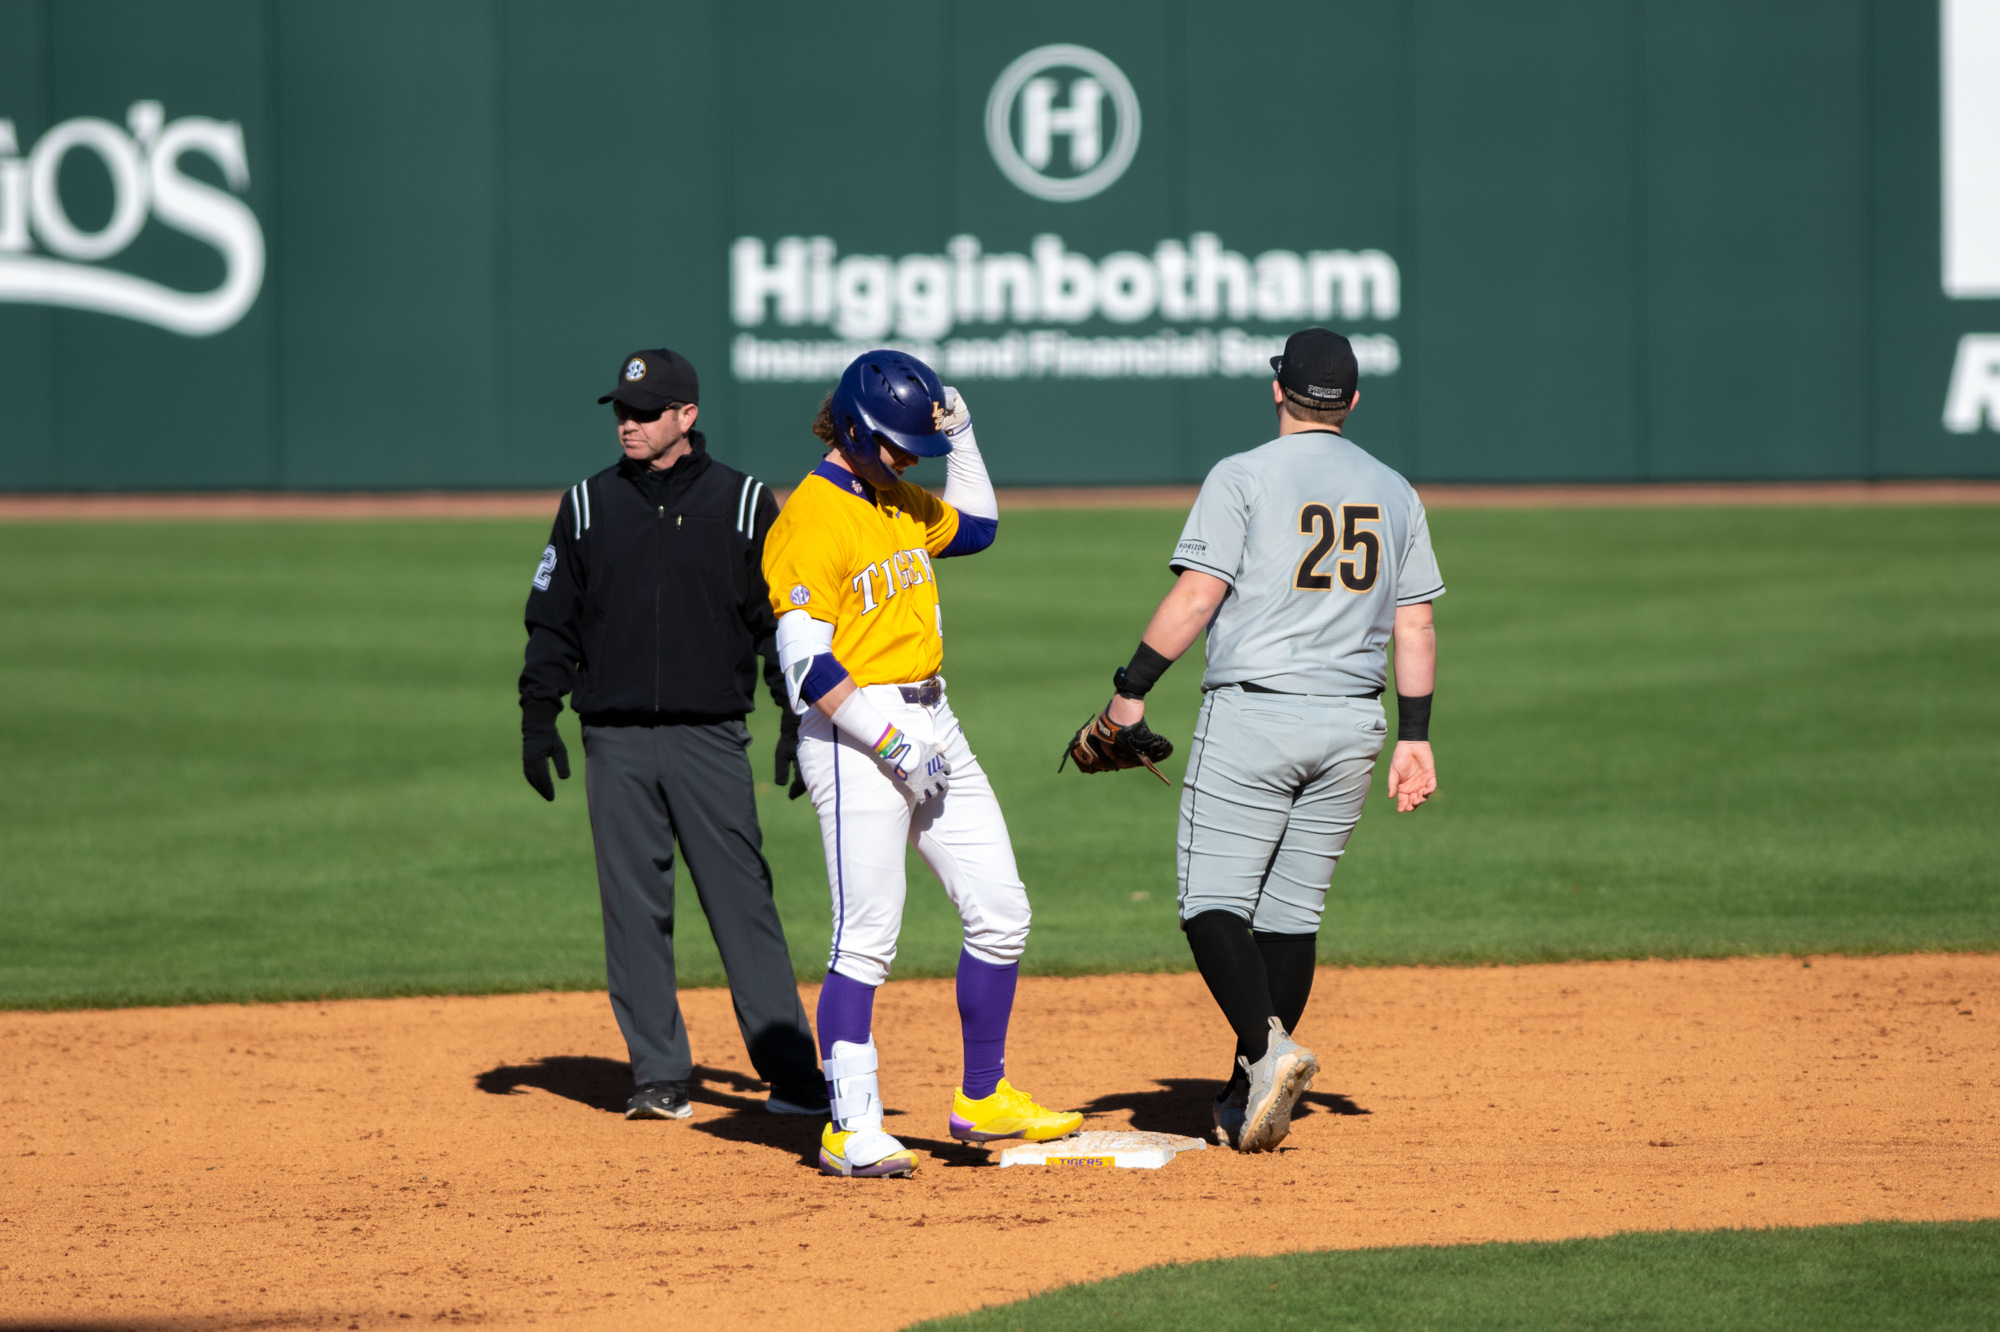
<point x="357" y="1164"/>
<point x="259" y="506"/>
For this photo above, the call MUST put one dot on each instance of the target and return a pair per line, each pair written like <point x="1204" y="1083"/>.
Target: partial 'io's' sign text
<point x="47" y="258"/>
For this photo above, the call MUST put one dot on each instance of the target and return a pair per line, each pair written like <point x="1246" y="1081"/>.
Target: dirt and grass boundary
<point x="265" y="506"/>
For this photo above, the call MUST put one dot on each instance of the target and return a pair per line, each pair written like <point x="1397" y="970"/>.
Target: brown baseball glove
<point x="1102" y="745"/>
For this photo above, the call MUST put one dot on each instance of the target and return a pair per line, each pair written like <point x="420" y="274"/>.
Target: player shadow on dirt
<point x="601" y="1084"/>
<point x="1182" y="1105"/>
<point x="154" y="1323"/>
<point x="606" y="1084"/>
<point x="755" y="1126"/>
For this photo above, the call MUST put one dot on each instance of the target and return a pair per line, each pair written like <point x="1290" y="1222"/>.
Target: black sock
<point x="1230" y="962"/>
<point x="1288" y="968"/>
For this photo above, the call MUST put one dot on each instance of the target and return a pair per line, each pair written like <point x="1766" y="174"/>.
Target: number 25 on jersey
<point x="1356" y="532"/>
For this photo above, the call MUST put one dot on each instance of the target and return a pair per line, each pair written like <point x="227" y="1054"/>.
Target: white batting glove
<point x="932" y="777"/>
<point x="923" y="769"/>
<point x="957" y="416"/>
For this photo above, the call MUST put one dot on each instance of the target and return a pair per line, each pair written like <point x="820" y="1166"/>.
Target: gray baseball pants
<point x="648" y="787"/>
<point x="1275" y="785"/>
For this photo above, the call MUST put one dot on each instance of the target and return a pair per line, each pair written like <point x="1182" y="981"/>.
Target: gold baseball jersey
<point x="860" y="560"/>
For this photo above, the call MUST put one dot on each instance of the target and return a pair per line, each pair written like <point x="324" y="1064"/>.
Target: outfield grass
<point x="263" y="761"/>
<point x="1884" y="1275"/>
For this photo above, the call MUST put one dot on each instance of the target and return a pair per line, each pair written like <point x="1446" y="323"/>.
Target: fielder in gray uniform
<point x="1302" y="558"/>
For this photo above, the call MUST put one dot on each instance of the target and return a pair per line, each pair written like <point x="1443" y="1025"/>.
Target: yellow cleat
<point x="1008" y="1113"/>
<point x="864" y="1153"/>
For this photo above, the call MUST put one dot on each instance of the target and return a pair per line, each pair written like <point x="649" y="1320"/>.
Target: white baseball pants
<point x="866" y="818"/>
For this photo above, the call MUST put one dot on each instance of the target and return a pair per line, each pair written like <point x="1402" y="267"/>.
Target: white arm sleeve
<point x="967" y="488"/>
<point x="800" y="639"/>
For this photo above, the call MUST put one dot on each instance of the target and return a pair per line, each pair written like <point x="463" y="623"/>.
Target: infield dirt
<point x="361" y="1164"/>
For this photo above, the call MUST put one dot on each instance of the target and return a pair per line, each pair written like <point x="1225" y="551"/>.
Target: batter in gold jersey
<point x="850" y="564"/>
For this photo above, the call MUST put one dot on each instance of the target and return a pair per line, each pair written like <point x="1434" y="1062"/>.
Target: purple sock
<point x="846" y="1013"/>
<point x="985" y="1002"/>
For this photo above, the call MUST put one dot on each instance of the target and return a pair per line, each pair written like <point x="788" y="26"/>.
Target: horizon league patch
<point x="1191" y="548"/>
<point x="546" y="570"/>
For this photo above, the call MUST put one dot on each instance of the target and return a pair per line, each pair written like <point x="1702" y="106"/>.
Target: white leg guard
<point x="857" y="1093"/>
<point x="857" y="1102"/>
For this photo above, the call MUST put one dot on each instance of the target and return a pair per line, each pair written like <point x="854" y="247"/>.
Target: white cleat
<point x="1276" y="1083"/>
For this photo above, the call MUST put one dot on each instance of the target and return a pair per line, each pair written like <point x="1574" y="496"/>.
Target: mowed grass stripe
<point x="280" y="761"/>
<point x="1884" y="1275"/>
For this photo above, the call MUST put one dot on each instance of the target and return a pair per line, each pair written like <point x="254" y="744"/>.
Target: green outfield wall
<point x="306" y="244"/>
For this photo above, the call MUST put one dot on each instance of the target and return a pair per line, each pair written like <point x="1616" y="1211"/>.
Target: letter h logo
<point x="1081" y="120"/>
<point x="1023" y="119"/>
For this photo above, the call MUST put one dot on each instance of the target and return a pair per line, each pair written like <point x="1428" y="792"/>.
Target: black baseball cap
<point x="1318" y="367"/>
<point x="649" y="380"/>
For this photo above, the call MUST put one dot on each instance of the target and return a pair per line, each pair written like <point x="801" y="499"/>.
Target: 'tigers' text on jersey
<point x="906" y="568"/>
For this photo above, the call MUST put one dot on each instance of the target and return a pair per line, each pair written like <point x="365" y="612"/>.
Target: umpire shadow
<point x="1182" y="1105"/>
<point x="601" y="1084"/>
<point x="606" y="1084"/>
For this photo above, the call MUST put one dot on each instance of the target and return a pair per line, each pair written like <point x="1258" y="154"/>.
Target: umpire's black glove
<point x="788" y="755"/>
<point x="540" y="743"/>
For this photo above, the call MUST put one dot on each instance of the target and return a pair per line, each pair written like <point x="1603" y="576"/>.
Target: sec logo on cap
<point x="635" y="369"/>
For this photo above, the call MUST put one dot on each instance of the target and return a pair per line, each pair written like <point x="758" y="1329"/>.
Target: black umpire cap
<point x="1318" y="368"/>
<point x="650" y="380"/>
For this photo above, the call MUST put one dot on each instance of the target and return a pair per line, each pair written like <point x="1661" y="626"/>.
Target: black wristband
<point x="1145" y="670"/>
<point x="1413" y="717"/>
<point x="540" y="711"/>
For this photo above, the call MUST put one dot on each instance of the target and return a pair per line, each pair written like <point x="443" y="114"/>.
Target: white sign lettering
<point x="805" y="280"/>
<point x="1973" y="400"/>
<point x="146" y="181"/>
<point x="919" y="299"/>
<point x="1200" y="353"/>
<point x="1970" y="92"/>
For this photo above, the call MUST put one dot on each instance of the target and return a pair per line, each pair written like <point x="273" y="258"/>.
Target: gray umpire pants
<point x="649" y="786"/>
<point x="1274" y="787"/>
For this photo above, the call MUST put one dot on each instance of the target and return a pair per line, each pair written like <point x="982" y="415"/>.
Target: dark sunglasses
<point x="625" y="411"/>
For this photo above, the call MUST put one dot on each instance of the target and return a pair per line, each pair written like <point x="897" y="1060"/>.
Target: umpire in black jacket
<point x="649" y="609"/>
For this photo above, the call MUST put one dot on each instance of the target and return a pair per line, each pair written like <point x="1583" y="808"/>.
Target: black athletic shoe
<point x="799" y="1098"/>
<point x="660" y="1100"/>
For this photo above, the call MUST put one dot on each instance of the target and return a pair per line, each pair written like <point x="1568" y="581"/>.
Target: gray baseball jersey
<point x="1319" y="543"/>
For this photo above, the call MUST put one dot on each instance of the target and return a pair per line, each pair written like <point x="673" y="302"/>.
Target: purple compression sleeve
<point x="985" y="1002"/>
<point x="846" y="1012"/>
